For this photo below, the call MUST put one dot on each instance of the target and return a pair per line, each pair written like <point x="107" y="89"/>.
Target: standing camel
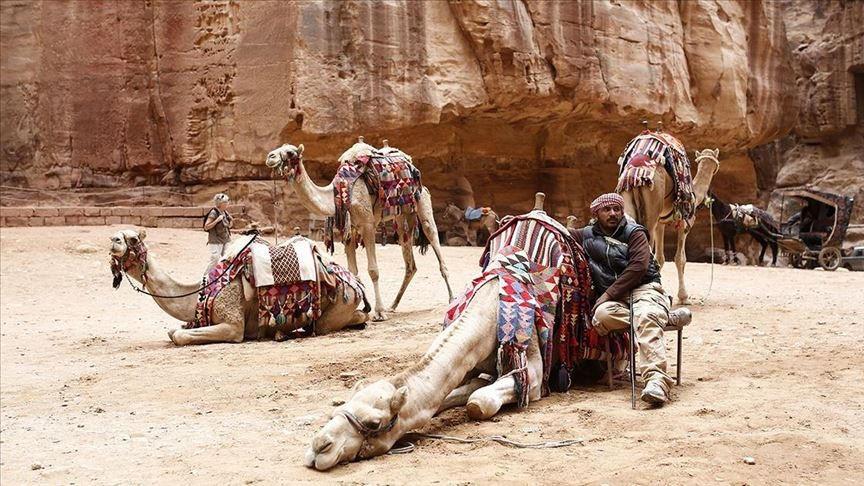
<point x="735" y="219"/>
<point x="365" y="214"/>
<point x="235" y="310"/>
<point x="652" y="206"/>
<point x="450" y="373"/>
<point x="456" y="216"/>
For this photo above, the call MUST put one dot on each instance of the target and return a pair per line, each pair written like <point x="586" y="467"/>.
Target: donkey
<point x="757" y="223"/>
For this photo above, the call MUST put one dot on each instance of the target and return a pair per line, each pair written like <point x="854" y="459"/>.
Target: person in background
<point x="217" y="224"/>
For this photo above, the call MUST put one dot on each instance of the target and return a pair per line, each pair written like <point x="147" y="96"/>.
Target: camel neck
<point x="316" y="199"/>
<point x="455" y="352"/>
<point x="161" y="283"/>
<point x="702" y="180"/>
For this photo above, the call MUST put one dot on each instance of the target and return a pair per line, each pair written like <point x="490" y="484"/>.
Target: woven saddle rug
<point x="641" y="158"/>
<point x="389" y="175"/>
<point x="285" y="277"/>
<point x="545" y="293"/>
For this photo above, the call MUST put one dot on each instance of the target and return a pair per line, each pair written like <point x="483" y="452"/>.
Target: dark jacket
<point x="619" y="262"/>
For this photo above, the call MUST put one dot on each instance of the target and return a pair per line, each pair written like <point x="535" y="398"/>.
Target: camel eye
<point x="372" y="424"/>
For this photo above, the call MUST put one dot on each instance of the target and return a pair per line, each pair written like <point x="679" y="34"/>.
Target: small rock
<point x="821" y="323"/>
<point x="336" y="403"/>
<point x="85" y="248"/>
<point x="35" y="467"/>
<point x="749" y="460"/>
<point x="717" y="329"/>
<point x="348" y="374"/>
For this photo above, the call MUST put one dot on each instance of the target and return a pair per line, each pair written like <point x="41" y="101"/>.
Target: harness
<point x="365" y="431"/>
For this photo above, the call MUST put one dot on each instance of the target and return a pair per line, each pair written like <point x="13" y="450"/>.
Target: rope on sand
<point x="553" y="444"/>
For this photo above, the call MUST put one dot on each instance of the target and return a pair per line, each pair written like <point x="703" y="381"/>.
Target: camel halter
<point x="365" y="431"/>
<point x="187" y="294"/>
<point x="709" y="156"/>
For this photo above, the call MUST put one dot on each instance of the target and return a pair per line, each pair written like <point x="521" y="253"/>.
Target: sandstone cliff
<point x="508" y="96"/>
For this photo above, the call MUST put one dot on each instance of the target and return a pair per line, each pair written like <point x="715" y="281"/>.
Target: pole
<point x="632" y="357"/>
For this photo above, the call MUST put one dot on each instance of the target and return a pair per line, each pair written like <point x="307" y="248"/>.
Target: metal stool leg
<point x="632" y="357"/>
<point x="678" y="364"/>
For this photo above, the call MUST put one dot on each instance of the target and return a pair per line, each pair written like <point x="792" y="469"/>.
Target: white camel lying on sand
<point x="448" y="375"/>
<point x="235" y="310"/>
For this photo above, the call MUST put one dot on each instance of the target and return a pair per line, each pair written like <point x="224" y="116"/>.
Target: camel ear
<point x="300" y="150"/>
<point x="716" y="153"/>
<point x="698" y="153"/>
<point x="398" y="400"/>
<point x="361" y="383"/>
<point x="142" y="233"/>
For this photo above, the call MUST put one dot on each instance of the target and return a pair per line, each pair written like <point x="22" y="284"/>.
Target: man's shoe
<point x="653" y="393"/>
<point x="680" y="317"/>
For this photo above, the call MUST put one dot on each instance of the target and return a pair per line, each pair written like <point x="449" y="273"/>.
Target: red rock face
<point x="510" y="97"/>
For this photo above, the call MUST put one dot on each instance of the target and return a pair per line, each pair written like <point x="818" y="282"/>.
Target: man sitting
<point x="622" y="264"/>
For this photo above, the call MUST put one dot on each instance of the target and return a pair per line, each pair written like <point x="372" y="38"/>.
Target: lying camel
<point x="447" y="376"/>
<point x="235" y="310"/>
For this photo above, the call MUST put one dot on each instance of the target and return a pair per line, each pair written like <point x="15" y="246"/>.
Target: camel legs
<point x="351" y="255"/>
<point x="430" y="229"/>
<point x="659" y="235"/>
<point x="368" y="234"/>
<point x="488" y="400"/>
<point x="459" y="397"/>
<point x="680" y="261"/>
<point x="406" y="233"/>
<point x="218" y="333"/>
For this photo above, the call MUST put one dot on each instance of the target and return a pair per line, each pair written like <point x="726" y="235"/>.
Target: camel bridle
<point x="288" y="165"/>
<point x="710" y="156"/>
<point x="366" y="432"/>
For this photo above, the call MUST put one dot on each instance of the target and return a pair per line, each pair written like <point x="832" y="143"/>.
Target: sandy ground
<point x="93" y="392"/>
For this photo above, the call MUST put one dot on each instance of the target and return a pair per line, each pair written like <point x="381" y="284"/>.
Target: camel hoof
<point x="175" y="338"/>
<point x="474" y="411"/>
<point x="379" y="316"/>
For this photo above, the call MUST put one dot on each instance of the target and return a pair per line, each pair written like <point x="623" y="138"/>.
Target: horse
<point x="735" y="219"/>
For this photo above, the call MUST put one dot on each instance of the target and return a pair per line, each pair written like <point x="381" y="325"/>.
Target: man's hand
<point x="603" y="298"/>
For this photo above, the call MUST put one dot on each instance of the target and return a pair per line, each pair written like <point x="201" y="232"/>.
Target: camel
<point x="763" y="228"/>
<point x="447" y="376"/>
<point x="365" y="216"/>
<point x="235" y="310"/>
<point x="648" y="205"/>
<point x="456" y="216"/>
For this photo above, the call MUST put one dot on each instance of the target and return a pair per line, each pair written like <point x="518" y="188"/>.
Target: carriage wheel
<point x="830" y="258"/>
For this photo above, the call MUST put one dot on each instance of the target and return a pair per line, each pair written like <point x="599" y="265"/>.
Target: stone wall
<point x="153" y="216"/>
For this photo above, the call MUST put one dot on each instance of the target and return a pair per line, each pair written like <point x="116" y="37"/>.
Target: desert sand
<point x="93" y="392"/>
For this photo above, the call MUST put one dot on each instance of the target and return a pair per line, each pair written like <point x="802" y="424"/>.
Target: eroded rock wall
<point x="826" y="147"/>
<point x="510" y="96"/>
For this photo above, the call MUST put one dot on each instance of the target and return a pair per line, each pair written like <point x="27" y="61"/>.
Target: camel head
<point x="285" y="160"/>
<point x="452" y="214"/>
<point x="359" y="429"/>
<point x="709" y="156"/>
<point x="127" y="252"/>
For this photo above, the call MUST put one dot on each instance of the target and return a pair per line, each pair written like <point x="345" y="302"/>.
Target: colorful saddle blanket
<point x="294" y="299"/>
<point x="643" y="155"/>
<point x="389" y="175"/>
<point x="545" y="292"/>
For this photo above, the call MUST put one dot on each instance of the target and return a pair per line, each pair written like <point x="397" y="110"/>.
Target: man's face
<point x="223" y="206"/>
<point x="609" y="216"/>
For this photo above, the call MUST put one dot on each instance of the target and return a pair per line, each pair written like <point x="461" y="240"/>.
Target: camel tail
<point x="421" y="240"/>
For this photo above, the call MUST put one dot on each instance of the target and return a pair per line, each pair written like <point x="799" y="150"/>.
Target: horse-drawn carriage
<point x="814" y="233"/>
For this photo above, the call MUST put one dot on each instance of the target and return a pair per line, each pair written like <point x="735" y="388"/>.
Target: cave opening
<point x="858" y="78"/>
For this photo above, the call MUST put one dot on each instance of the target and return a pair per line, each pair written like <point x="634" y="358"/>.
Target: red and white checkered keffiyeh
<point x="604" y="200"/>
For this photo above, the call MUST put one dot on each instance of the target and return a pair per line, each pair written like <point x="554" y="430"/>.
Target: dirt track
<point x="94" y="392"/>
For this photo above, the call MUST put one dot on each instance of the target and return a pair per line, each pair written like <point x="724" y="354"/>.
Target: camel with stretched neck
<point x="235" y="310"/>
<point x="365" y="216"/>
<point x="651" y="206"/>
<point x="456" y="216"/>
<point x="447" y="376"/>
